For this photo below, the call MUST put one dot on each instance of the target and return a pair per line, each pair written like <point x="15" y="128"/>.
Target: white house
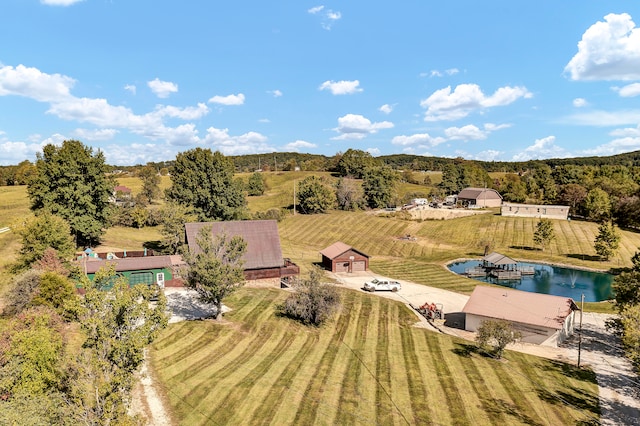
<point x="535" y="210"/>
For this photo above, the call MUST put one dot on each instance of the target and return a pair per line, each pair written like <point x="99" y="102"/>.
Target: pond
<point x="554" y="280"/>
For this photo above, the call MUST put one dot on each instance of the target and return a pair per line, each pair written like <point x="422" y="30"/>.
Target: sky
<point x="142" y="80"/>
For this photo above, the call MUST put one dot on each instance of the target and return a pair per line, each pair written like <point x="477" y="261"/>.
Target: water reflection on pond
<point x="555" y="280"/>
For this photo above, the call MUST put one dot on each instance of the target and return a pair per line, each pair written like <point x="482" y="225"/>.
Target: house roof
<point x="338" y="248"/>
<point x="499" y="259"/>
<point x="261" y="236"/>
<point x="520" y="306"/>
<point x="92" y="265"/>
<point x="121" y="188"/>
<point x="479" y="194"/>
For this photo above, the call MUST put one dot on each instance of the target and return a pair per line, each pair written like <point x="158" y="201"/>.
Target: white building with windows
<point x="535" y="210"/>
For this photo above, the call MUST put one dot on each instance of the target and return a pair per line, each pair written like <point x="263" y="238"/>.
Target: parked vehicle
<point x="382" y="284"/>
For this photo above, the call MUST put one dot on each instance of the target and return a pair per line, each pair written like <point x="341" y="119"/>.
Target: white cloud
<point x="343" y="87"/>
<point x="228" y="100"/>
<point x="580" y="102"/>
<point x="187" y="113"/>
<point x="315" y="9"/>
<point x="386" y="109"/>
<point x="437" y="73"/>
<point x="604" y="118"/>
<point x="34" y="84"/>
<point x="130" y="88"/>
<point x="373" y="151"/>
<point x="95" y="134"/>
<point x="444" y="104"/>
<point x="468" y="132"/>
<point x="355" y="126"/>
<point x="488" y="155"/>
<point x="162" y="89"/>
<point x="629" y="90"/>
<point x="60" y="2"/>
<point x="298" y="145"/>
<point x="264" y="120"/>
<point x="542" y="148"/>
<point x="248" y="143"/>
<point x="422" y="139"/>
<point x="276" y="93"/>
<point x="609" y="50"/>
<point x="616" y="146"/>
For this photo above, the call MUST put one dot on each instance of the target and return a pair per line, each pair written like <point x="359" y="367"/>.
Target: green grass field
<point x="368" y="366"/>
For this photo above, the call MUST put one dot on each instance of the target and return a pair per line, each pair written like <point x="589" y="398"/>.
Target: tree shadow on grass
<point x="502" y="407"/>
<point x="467" y="350"/>
<point x="569" y="370"/>
<point x="153" y="245"/>
<point x="528" y="248"/>
<point x="583" y="256"/>
<point x="575" y="398"/>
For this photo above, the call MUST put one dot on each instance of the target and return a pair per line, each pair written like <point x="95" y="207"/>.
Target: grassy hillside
<point x="368" y="366"/>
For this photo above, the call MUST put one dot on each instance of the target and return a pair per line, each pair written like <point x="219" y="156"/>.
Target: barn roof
<point x="261" y="236"/>
<point x="499" y="259"/>
<point x="479" y="194"/>
<point x="338" y="248"/>
<point x="520" y="306"/>
<point x="132" y="263"/>
<point x="121" y="188"/>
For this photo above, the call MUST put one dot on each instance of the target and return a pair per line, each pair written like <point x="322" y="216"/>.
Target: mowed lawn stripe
<point x="384" y="406"/>
<point x="419" y="394"/>
<point x="250" y="391"/>
<point x="313" y="395"/>
<point x="454" y="402"/>
<point x="276" y="392"/>
<point x="199" y="363"/>
<point x="351" y="401"/>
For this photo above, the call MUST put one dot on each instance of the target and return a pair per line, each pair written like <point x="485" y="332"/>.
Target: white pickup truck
<point x="380" y="284"/>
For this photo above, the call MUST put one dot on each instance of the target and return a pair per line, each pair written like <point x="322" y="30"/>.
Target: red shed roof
<point x="261" y="236"/>
<point x="121" y="188"/>
<point x="520" y="306"/>
<point x="338" y="248"/>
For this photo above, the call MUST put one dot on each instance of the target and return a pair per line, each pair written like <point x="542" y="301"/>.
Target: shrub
<point x="313" y="303"/>
<point x="498" y="334"/>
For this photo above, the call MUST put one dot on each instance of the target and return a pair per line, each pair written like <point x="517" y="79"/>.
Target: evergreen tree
<point x="71" y="182"/>
<point x="544" y="233"/>
<point x="204" y="181"/>
<point x="607" y="241"/>
<point x="150" y="183"/>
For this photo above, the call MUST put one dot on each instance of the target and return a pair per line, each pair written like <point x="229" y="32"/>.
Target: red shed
<point x="340" y="257"/>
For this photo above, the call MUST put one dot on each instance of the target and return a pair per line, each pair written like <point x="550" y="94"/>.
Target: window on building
<point x="141" y="278"/>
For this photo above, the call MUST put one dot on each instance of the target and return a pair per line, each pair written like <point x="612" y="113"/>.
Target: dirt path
<point x="619" y="386"/>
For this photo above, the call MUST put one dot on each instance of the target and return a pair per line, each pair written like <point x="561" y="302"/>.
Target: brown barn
<point x="263" y="259"/>
<point x="479" y="197"/>
<point x="340" y="257"/>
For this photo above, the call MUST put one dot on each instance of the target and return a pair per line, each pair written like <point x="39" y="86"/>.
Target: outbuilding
<point x="479" y="198"/>
<point x="340" y="257"/>
<point x="160" y="270"/>
<point x="541" y="318"/>
<point x="535" y="210"/>
<point x="263" y="259"/>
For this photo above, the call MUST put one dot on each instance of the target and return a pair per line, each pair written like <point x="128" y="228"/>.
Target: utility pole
<point x="580" y="335"/>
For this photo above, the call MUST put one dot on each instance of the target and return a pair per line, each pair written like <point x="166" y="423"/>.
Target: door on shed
<point x="358" y="266"/>
<point x="342" y="266"/>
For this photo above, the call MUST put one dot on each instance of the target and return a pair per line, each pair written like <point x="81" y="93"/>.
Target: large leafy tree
<point x="607" y="241"/>
<point x="216" y="269"/>
<point x="315" y="195"/>
<point x="42" y="232"/>
<point x="597" y="205"/>
<point x="379" y="186"/>
<point x="204" y="180"/>
<point x="354" y="162"/>
<point x="349" y="194"/>
<point x="71" y="181"/>
<point x="255" y="185"/>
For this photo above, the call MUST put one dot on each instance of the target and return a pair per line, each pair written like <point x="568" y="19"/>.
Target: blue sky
<point x="142" y="80"/>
